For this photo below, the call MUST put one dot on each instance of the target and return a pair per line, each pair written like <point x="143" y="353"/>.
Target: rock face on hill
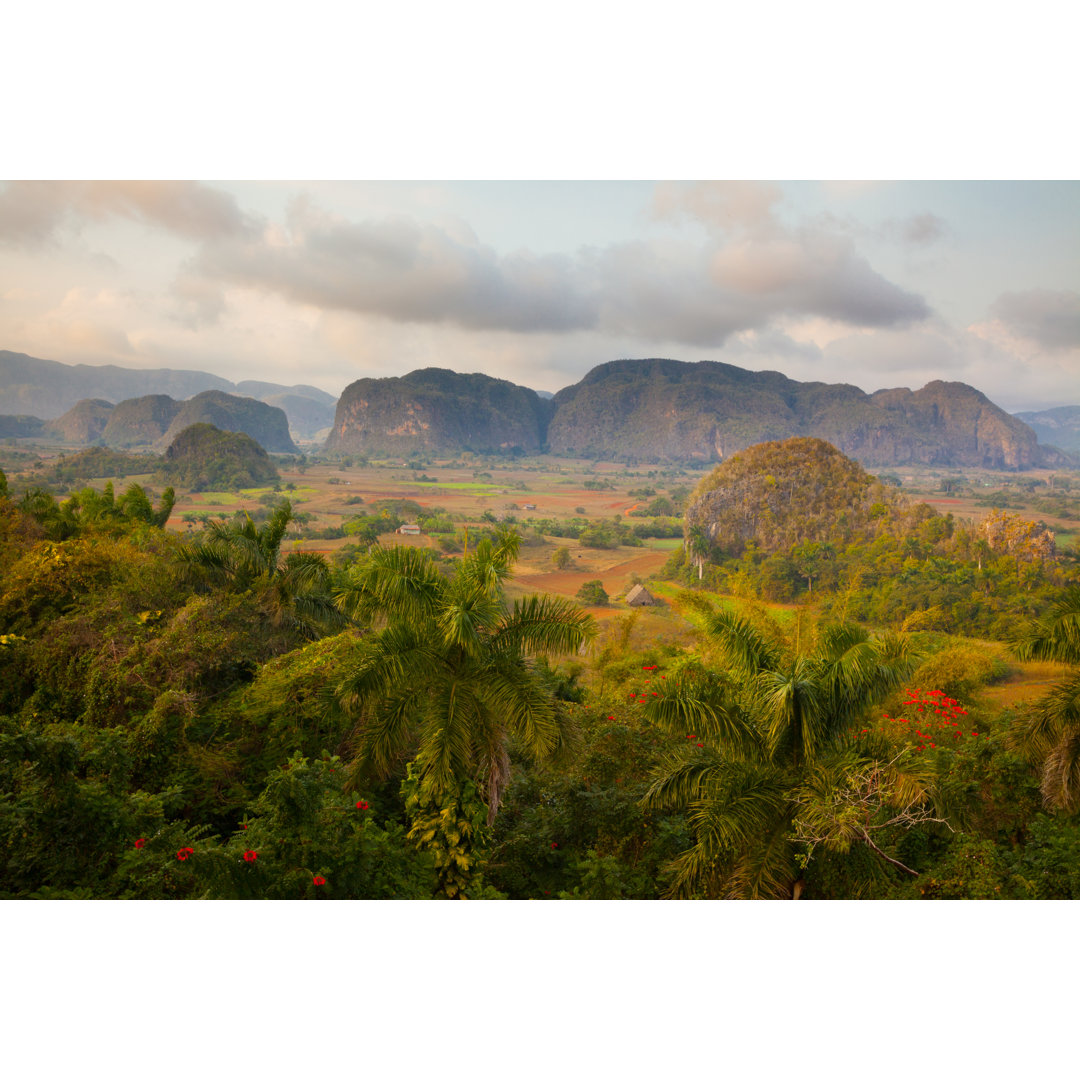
<point x="657" y="410"/>
<point x="83" y="424"/>
<point x="268" y="426"/>
<point x="1058" y="427"/>
<point x="437" y="410"/>
<point x="203" y="458"/>
<point x="140" y="421"/>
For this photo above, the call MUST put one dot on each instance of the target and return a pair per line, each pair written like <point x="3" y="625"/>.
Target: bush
<point x="561" y="558"/>
<point x="959" y="671"/>
<point x="593" y="593"/>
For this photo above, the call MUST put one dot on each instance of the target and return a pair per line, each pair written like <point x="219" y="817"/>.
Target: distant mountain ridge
<point x="644" y="410"/>
<point x="1058" y="427"/>
<point x="47" y="389"/>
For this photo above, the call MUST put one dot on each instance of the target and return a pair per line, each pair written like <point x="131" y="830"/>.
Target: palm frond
<point x="1061" y="773"/>
<point x="706" y="706"/>
<point x="681" y="783"/>
<point x="446" y="746"/>
<point x="399" y="658"/>
<point x="1055" y="637"/>
<point x="766" y="869"/>
<point x="385" y="733"/>
<point x="547" y="625"/>
<point x="393" y="582"/>
<point x="515" y="696"/>
<point x="742" y="646"/>
<point x="793" y="711"/>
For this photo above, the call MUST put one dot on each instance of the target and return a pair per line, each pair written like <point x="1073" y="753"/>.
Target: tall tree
<point x="779" y="772"/>
<point x="448" y="680"/>
<point x="239" y="555"/>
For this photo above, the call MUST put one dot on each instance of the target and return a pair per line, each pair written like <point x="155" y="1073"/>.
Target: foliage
<point x="202" y="458"/>
<point x="592" y="593"/>
<point x="448" y="678"/>
<point x="779" y="772"/>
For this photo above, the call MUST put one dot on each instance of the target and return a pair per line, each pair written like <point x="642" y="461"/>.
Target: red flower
<point x="932" y="746"/>
<point x="554" y="844"/>
<point x="139" y="843"/>
<point x="701" y="744"/>
<point x="318" y="880"/>
<point x="184" y="852"/>
<point x="361" y="805"/>
<point x="243" y="826"/>
<point x="250" y="856"/>
<point x="611" y="717"/>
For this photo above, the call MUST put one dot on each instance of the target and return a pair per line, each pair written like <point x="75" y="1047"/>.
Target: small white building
<point x="409" y="530"/>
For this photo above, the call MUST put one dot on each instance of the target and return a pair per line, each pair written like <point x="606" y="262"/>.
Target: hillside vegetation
<point x="202" y="458"/>
<point x="777" y="494"/>
<point x="222" y="715"/>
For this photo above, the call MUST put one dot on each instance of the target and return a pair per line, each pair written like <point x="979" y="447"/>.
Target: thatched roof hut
<point x="639" y="596"/>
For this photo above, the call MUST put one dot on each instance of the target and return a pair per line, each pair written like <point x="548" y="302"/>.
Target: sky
<point x="879" y="284"/>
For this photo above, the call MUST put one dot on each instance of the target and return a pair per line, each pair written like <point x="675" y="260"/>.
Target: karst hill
<point x="659" y="410"/>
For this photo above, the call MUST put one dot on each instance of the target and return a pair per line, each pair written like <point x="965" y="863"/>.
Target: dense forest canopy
<point x="216" y="715"/>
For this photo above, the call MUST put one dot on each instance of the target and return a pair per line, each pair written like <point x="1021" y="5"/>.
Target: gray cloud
<point x="405" y="271"/>
<point x="34" y="211"/>
<point x="662" y="290"/>
<point x="1047" y="317"/>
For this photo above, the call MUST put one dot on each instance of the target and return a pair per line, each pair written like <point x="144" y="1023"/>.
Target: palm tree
<point x="779" y="773"/>
<point x="294" y="591"/>
<point x="1050" y="733"/>
<point x="448" y="680"/>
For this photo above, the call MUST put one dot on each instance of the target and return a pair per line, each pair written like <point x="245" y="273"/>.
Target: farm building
<point x="409" y="530"/>
<point x="639" y="596"/>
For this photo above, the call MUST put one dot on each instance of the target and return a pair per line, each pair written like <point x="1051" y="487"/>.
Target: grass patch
<point x="664" y="543"/>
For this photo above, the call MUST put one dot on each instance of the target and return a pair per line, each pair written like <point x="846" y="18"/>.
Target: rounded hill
<point x="203" y="458"/>
<point x="781" y="493"/>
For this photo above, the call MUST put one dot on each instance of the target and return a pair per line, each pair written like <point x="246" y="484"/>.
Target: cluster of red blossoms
<point x="635" y="697"/>
<point x="250" y="856"/>
<point x="939" y="720"/>
<point x="184" y="852"/>
<point x="361" y="805"/>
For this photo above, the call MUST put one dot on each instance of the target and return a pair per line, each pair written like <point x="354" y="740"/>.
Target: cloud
<point x="747" y="272"/>
<point x="406" y="271"/>
<point x="32" y="212"/>
<point x="1046" y="317"/>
